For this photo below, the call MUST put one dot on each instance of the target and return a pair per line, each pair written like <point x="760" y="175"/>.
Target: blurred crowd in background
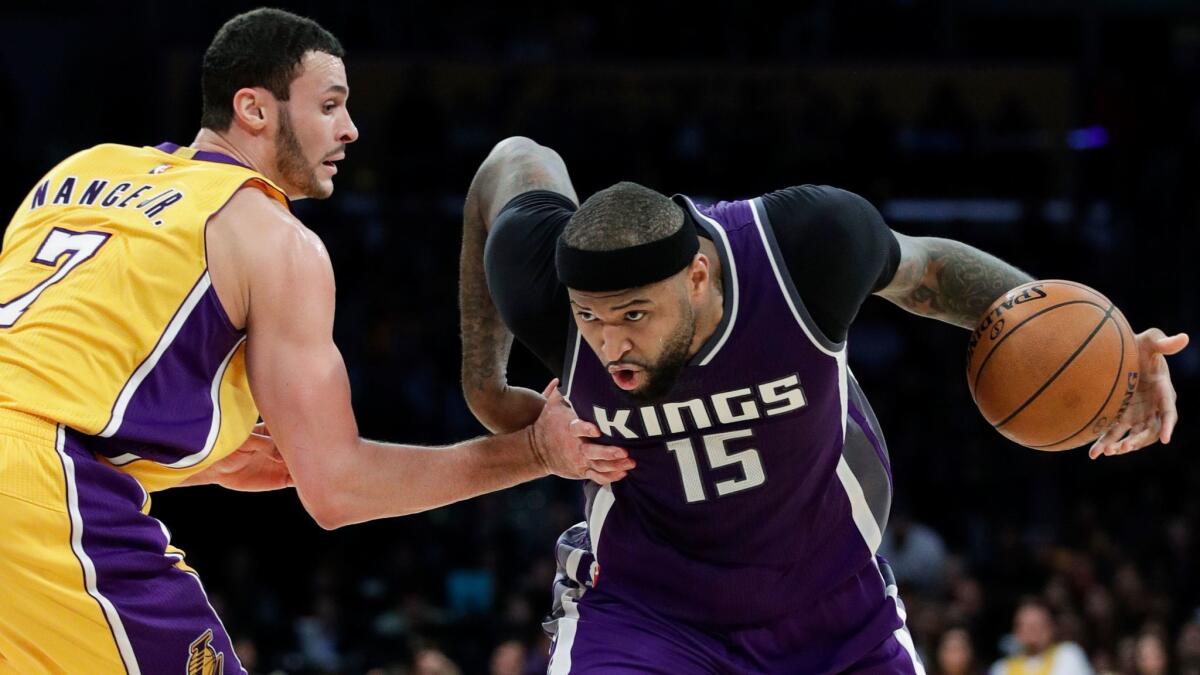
<point x="1061" y="136"/>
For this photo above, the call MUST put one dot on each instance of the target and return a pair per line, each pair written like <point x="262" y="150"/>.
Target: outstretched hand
<point x="558" y="438"/>
<point x="1151" y="415"/>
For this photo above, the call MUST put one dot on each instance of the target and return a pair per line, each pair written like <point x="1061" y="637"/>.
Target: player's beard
<point x="661" y="375"/>
<point x="291" y="162"/>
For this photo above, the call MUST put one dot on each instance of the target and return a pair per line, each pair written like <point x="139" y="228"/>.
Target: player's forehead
<point x="320" y="74"/>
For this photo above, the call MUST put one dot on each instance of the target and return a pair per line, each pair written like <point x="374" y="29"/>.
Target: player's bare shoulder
<point x="257" y="242"/>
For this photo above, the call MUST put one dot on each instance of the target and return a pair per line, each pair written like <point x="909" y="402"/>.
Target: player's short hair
<point x="260" y="48"/>
<point x="624" y="215"/>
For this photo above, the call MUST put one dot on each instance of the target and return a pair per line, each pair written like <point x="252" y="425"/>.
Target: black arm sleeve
<point x="519" y="262"/>
<point x="837" y="249"/>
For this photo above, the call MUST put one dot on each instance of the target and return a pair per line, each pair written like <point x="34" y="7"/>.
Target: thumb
<point x="1171" y="345"/>
<point x="550" y="388"/>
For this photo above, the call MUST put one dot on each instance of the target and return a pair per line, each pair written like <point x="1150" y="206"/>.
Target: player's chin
<point x="321" y="189"/>
<point x="647" y="391"/>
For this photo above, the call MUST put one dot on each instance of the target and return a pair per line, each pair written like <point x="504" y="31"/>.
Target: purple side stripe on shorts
<point x="163" y="610"/>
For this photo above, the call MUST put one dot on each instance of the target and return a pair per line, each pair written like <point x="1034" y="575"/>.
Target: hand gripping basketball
<point x="1053" y="364"/>
<point x="1151" y="414"/>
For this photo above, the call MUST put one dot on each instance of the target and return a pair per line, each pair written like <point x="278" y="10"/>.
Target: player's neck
<point x="212" y="141"/>
<point x="713" y="309"/>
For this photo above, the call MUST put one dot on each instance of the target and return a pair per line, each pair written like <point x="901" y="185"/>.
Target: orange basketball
<point x="1052" y="364"/>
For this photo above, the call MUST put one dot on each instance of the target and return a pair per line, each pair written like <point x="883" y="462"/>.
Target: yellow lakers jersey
<point x="109" y="324"/>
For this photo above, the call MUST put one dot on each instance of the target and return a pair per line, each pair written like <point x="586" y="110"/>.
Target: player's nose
<point x="614" y="343"/>
<point x="348" y="132"/>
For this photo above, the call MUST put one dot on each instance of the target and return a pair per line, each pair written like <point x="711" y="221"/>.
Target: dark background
<point x="1059" y="135"/>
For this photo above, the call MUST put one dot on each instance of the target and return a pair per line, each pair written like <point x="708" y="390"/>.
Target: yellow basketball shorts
<point x="88" y="580"/>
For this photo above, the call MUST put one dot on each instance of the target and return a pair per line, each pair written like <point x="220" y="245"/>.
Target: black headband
<point x="617" y="270"/>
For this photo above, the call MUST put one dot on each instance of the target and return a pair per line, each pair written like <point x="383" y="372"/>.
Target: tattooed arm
<point x="515" y="166"/>
<point x="953" y="282"/>
<point x="948" y="280"/>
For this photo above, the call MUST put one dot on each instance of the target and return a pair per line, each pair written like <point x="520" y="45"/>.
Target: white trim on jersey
<point x="232" y="656"/>
<point x="864" y="520"/>
<point x="574" y="364"/>
<point x="164" y="341"/>
<point x="215" y="395"/>
<point x="210" y="442"/>
<point x="178" y="557"/>
<point x="601" y="503"/>
<point x="843" y="387"/>
<point x="783" y="287"/>
<point x="564" y="639"/>
<point x="124" y="647"/>
<point x="733" y="282"/>
<point x="572" y="566"/>
<point x="902" y="635"/>
<point x="860" y="509"/>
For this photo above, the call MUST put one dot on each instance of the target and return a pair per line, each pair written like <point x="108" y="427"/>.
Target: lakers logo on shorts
<point x="203" y="659"/>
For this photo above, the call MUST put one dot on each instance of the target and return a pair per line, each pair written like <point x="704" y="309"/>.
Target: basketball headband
<point x="631" y="267"/>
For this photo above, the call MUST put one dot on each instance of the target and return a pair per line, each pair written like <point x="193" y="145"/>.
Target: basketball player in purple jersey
<point x="710" y="341"/>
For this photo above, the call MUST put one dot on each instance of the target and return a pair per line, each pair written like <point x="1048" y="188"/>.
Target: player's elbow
<point x="327" y="508"/>
<point x="491" y="412"/>
<point x="482" y="397"/>
<point x="327" y="494"/>
<point x="329" y="521"/>
<point x="516" y="146"/>
<point x="519" y="151"/>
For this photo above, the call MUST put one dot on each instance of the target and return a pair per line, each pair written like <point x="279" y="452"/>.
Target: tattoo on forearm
<point x="515" y="166"/>
<point x="486" y="341"/>
<point x="955" y="282"/>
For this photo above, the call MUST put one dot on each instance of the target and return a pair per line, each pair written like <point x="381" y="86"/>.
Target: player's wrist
<point x="536" y="452"/>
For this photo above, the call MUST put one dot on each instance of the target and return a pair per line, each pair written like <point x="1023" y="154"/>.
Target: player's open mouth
<point x="330" y="162"/>
<point x="626" y="377"/>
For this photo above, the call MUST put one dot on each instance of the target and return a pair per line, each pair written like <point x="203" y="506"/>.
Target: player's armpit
<point x="948" y="280"/>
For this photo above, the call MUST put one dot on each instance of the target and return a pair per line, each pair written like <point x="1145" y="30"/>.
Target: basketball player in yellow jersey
<point x="153" y="303"/>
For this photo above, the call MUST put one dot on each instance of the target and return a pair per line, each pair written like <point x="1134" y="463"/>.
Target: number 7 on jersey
<point x="77" y="246"/>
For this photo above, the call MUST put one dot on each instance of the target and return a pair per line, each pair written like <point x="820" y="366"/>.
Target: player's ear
<point x="252" y="108"/>
<point x="696" y="276"/>
<point x="698" y="273"/>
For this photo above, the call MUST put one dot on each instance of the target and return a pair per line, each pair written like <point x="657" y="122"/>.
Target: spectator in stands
<point x="1151" y="655"/>
<point x="956" y="654"/>
<point x="1038" y="650"/>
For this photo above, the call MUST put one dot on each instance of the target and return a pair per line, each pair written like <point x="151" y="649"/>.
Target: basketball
<point x="1052" y="365"/>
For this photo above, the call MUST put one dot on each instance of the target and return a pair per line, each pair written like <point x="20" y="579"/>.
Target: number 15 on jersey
<point x="718" y="455"/>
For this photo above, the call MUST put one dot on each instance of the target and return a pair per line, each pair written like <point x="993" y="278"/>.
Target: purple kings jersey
<point x="763" y="482"/>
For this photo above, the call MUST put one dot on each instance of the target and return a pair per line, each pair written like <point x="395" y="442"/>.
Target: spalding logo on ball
<point x="1052" y="364"/>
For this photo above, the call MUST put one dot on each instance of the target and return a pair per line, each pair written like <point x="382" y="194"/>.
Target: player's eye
<point x="635" y="315"/>
<point x="586" y="316"/>
<point x="330" y="106"/>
